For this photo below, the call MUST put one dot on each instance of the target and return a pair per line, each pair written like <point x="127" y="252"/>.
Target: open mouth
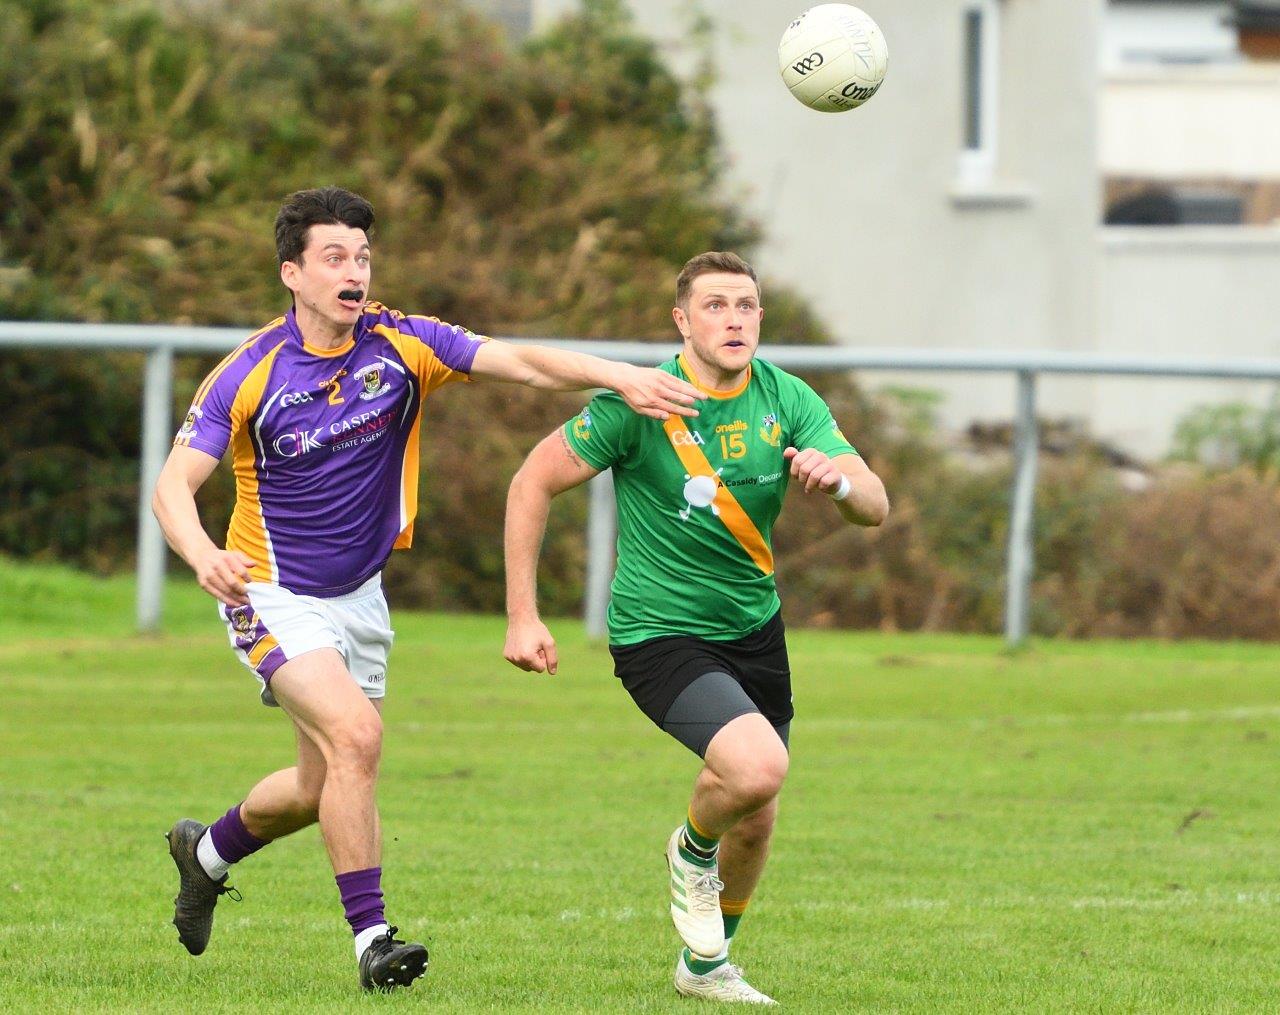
<point x="351" y="298"/>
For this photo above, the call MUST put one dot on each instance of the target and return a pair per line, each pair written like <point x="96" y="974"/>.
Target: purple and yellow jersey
<point x="324" y="443"/>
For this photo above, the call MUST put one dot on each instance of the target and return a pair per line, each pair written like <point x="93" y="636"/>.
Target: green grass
<point x="1079" y="827"/>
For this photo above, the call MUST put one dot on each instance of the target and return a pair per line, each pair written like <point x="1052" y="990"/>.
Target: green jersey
<point x="697" y="499"/>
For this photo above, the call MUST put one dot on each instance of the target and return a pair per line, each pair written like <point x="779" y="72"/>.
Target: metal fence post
<point x="601" y="537"/>
<point x="157" y="423"/>
<point x="1026" y="444"/>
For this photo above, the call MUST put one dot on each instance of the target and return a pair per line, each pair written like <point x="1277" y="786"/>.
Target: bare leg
<point x="289" y="800"/>
<point x="743" y="852"/>
<point x="735" y="799"/>
<point x="335" y="717"/>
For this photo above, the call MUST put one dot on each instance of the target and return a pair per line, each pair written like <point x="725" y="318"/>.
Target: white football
<point x="833" y="57"/>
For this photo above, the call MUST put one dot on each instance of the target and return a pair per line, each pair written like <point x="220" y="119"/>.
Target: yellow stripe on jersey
<point x="735" y="518"/>
<point x="230" y="358"/>
<point x="259" y="651"/>
<point x="247" y="532"/>
<point x="409" y="484"/>
<point x="421" y="359"/>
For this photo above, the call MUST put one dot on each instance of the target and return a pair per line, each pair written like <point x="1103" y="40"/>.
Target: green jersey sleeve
<point x="603" y="433"/>
<point x="813" y="424"/>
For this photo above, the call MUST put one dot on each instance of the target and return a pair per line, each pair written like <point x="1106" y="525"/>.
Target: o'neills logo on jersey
<point x="685" y="438"/>
<point x="371" y="378"/>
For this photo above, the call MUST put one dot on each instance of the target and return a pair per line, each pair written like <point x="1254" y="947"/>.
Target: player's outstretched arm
<point x="221" y="573"/>
<point x="646" y="390"/>
<point x="551" y="468"/>
<point x="858" y="492"/>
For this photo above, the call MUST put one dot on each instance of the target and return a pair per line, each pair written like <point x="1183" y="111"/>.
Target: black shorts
<point x="656" y="672"/>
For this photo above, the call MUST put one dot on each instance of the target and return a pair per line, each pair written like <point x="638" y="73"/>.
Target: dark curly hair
<point x="325" y="206"/>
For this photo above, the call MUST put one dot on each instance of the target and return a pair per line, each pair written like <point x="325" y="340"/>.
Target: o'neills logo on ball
<point x="371" y="378"/>
<point x="852" y="92"/>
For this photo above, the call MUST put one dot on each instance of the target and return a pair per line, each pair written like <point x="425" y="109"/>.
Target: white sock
<point x="213" y="864"/>
<point x="367" y="936"/>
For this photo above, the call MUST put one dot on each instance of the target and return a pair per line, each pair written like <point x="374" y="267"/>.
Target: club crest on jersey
<point x="771" y="430"/>
<point x="835" y="429"/>
<point x="582" y="425"/>
<point x="242" y="618"/>
<point x="189" y="424"/>
<point x="371" y="378"/>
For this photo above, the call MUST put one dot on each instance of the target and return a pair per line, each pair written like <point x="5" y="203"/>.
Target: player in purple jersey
<point x="321" y="410"/>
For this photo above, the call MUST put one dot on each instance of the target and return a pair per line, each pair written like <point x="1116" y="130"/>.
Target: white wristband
<point x="842" y="491"/>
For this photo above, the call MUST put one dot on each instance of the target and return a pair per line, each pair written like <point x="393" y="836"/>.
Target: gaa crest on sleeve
<point x="582" y="425"/>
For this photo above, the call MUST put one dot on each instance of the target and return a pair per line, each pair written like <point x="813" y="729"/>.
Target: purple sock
<point x="362" y="898"/>
<point x="231" y="839"/>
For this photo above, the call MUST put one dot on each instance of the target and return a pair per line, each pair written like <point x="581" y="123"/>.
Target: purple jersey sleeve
<point x="209" y="421"/>
<point x="453" y="346"/>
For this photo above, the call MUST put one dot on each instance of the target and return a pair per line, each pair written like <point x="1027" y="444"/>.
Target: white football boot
<point x="695" y="901"/>
<point x="724" y="983"/>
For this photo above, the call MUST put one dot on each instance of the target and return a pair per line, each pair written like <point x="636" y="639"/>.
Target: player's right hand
<point x="530" y="646"/>
<point x="224" y="574"/>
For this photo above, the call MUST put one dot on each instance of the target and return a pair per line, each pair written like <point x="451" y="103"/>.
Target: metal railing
<point x="161" y="343"/>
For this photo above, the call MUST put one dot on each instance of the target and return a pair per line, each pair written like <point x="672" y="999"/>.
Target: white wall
<point x="1218" y="121"/>
<point x="1190" y="291"/>
<point x="1175" y="30"/>
<point x="865" y="217"/>
<point x="862" y="210"/>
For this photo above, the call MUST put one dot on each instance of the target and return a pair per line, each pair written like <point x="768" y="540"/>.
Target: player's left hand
<point x="814" y="469"/>
<point x="656" y="393"/>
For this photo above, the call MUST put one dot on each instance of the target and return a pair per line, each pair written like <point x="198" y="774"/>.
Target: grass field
<point x="1084" y="828"/>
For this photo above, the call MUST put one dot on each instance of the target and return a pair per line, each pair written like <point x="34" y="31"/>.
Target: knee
<point x="357" y="745"/>
<point x="759" y="781"/>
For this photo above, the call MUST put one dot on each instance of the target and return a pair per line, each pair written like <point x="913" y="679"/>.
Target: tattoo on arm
<point x="568" y="450"/>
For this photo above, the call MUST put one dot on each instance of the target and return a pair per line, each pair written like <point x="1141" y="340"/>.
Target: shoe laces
<point x="732" y="978"/>
<point x="385" y="942"/>
<point x="704" y="890"/>
<point x="230" y="892"/>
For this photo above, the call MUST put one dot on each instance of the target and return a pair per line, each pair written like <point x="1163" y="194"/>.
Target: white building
<point x="962" y="206"/>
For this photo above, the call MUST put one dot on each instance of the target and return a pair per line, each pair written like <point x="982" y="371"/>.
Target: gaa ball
<point x="833" y="57"/>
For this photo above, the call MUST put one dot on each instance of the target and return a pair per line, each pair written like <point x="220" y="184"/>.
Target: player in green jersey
<point x="695" y="627"/>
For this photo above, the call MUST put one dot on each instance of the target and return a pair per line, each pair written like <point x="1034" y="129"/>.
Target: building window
<point x="981" y="37"/>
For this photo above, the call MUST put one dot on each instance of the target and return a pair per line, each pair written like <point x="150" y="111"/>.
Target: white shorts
<point x="279" y="625"/>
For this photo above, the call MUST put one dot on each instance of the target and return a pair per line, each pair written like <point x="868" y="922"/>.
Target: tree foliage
<point x="551" y="189"/>
<point x="554" y="190"/>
